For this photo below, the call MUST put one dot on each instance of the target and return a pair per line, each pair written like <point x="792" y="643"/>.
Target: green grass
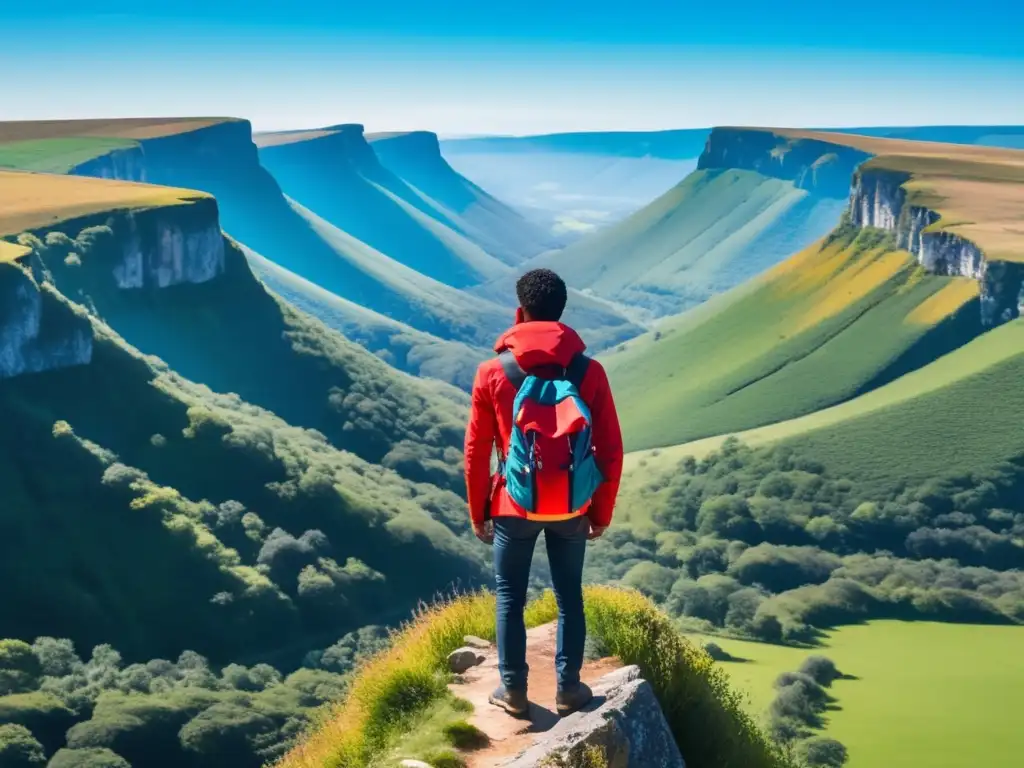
<point x="437" y="736"/>
<point x="57" y="155"/>
<point x="400" y="688"/>
<point x="709" y="233"/>
<point x="832" y="322"/>
<point x="901" y="432"/>
<point x="941" y="695"/>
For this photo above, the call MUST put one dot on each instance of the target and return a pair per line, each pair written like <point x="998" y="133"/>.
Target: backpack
<point x="549" y="467"/>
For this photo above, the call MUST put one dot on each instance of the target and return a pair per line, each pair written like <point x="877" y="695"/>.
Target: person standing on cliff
<point x="548" y="409"/>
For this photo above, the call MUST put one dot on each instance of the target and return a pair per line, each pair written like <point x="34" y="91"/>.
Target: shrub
<point x="821" y="669"/>
<point x="826" y="753"/>
<point x="718" y="653"/>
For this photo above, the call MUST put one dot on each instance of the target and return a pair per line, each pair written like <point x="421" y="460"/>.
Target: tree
<point x="19" y="748"/>
<point x="652" y="579"/>
<point x="19" y="667"/>
<point x="57" y="657"/>
<point x="225" y="734"/>
<point x="87" y="758"/>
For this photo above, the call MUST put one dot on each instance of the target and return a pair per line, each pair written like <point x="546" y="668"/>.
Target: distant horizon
<point x="463" y="68"/>
<point x="443" y="136"/>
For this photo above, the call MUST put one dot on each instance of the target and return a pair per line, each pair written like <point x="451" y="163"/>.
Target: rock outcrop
<point x="818" y="166"/>
<point x="38" y="331"/>
<point x="878" y="198"/>
<point x="624" y="724"/>
<point x="169" y="246"/>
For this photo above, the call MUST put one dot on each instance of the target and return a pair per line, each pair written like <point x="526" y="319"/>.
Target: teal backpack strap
<point x="513" y="371"/>
<point x="576" y="371"/>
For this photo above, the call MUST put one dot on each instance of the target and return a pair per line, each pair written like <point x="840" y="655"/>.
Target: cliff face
<point x="878" y="199"/>
<point x="38" y="331"/>
<point x="817" y="166"/>
<point x="170" y="246"/>
<point x="122" y="164"/>
<point x="345" y="149"/>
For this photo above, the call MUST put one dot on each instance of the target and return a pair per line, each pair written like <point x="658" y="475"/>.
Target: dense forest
<point x="766" y="543"/>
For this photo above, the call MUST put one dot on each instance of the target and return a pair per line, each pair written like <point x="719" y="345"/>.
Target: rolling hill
<point x="927" y="258"/>
<point x="577" y="183"/>
<point x="900" y="432"/>
<point x="398" y="344"/>
<point x="729" y="220"/>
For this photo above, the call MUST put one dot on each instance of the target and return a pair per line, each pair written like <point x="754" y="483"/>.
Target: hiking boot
<point x="573" y="699"/>
<point x="512" y="701"/>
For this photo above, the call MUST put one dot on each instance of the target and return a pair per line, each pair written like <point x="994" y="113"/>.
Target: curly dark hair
<point x="542" y="294"/>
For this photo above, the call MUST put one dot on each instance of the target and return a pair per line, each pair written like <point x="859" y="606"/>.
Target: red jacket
<point x="490" y="420"/>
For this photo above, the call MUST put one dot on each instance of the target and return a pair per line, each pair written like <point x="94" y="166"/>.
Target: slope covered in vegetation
<point x="396" y="343"/>
<point x="709" y="233"/>
<point x="927" y="256"/>
<point x="838" y="319"/>
<point x="229" y="333"/>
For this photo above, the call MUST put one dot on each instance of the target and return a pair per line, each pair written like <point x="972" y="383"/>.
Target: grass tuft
<point x="465" y="735"/>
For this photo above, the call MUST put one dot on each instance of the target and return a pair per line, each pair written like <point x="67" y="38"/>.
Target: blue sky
<point x="518" y="66"/>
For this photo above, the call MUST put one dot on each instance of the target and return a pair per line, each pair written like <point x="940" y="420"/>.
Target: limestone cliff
<point x="878" y="198"/>
<point x="39" y="331"/>
<point x="821" y="167"/>
<point x="128" y="164"/>
<point x="169" y="246"/>
<point x="151" y="248"/>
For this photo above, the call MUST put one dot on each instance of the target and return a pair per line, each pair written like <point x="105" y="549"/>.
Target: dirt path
<point x="510" y="735"/>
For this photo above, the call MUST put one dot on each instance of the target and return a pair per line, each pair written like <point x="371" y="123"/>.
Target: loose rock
<point x="472" y="641"/>
<point x="464" y="658"/>
<point x="414" y="764"/>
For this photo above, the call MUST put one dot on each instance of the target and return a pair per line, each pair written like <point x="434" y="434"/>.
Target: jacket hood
<point x="541" y="343"/>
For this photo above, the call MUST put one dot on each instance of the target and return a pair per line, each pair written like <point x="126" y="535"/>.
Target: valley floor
<point x="925" y="694"/>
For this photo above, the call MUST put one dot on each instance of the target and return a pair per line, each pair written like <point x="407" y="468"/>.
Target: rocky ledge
<point x="624" y="725"/>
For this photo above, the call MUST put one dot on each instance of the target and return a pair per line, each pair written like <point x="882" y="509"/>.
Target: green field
<point x="709" y="233"/>
<point x="926" y="694"/>
<point x="828" y="324"/>
<point x="57" y="155"/>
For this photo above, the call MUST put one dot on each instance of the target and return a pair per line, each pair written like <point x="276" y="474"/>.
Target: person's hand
<point x="484" y="531"/>
<point x="596" y="531"/>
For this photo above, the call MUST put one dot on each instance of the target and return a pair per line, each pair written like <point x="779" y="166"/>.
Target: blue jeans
<point x="514" y="541"/>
